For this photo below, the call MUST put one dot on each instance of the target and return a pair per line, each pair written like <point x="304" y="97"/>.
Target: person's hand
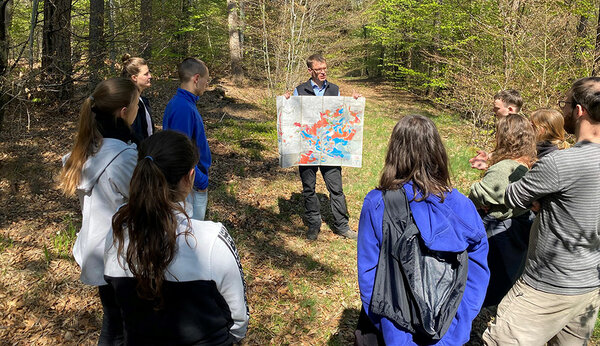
<point x="356" y="94"/>
<point x="535" y="206"/>
<point x="287" y="94"/>
<point x="480" y="160"/>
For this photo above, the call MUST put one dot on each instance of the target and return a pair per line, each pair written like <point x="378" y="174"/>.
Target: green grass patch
<point x="64" y="239"/>
<point x="5" y="243"/>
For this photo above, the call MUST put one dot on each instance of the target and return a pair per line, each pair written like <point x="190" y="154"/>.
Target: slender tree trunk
<point x="33" y="24"/>
<point x="183" y="36"/>
<point x="235" y="44"/>
<point x="56" y="47"/>
<point x="596" y="66"/>
<point x="97" y="45"/>
<point x="3" y="37"/>
<point x="3" y="55"/>
<point x="146" y="28"/>
<point x="110" y="14"/>
<point x="581" y="33"/>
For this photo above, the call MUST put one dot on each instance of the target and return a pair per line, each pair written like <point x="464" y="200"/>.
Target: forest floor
<point x="300" y="292"/>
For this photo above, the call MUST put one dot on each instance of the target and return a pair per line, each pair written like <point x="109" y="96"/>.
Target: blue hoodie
<point x="453" y="225"/>
<point x="182" y="115"/>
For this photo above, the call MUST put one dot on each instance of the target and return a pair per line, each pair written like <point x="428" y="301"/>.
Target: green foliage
<point x="64" y="239"/>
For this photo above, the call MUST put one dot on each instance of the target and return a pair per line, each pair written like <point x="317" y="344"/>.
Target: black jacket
<point x="140" y="124"/>
<point x="307" y="89"/>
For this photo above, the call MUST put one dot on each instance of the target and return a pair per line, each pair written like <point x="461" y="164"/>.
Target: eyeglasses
<point x="319" y="71"/>
<point x="563" y="103"/>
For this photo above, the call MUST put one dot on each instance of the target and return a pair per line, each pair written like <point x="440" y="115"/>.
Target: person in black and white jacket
<point x="176" y="280"/>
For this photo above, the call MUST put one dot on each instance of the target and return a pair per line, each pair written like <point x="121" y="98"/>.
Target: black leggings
<point x="112" y="322"/>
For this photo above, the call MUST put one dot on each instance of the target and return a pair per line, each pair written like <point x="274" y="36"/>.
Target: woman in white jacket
<point x="99" y="170"/>
<point x="177" y="281"/>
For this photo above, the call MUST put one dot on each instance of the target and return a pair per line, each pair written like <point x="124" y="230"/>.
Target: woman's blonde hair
<point x="515" y="139"/>
<point x="107" y="99"/>
<point x="553" y="124"/>
<point x="132" y="65"/>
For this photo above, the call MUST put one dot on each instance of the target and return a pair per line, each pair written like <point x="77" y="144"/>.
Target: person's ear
<point x="511" y="110"/>
<point x="195" y="78"/>
<point x="123" y="113"/>
<point x="134" y="78"/>
<point x="580" y="111"/>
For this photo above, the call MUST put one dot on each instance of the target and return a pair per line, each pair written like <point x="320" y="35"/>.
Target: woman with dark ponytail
<point x="99" y="170"/>
<point x="176" y="280"/>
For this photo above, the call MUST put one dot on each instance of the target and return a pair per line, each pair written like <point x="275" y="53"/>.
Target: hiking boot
<point x="347" y="234"/>
<point x="312" y="234"/>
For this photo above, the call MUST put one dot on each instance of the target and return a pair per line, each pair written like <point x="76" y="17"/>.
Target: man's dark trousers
<point x="332" y="175"/>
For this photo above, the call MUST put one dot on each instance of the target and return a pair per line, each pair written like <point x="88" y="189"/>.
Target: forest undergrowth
<point x="299" y="292"/>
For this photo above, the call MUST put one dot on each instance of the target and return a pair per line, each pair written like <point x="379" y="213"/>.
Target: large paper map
<point x="320" y="130"/>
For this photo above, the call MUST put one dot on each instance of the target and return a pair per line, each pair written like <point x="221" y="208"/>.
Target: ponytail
<point x="149" y="220"/>
<point x="152" y="223"/>
<point x="97" y="111"/>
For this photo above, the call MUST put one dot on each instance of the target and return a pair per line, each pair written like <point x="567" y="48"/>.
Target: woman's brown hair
<point x="553" y="124"/>
<point x="132" y="65"/>
<point x="515" y="139"/>
<point x="416" y="153"/>
<point x="149" y="219"/>
<point x="99" y="112"/>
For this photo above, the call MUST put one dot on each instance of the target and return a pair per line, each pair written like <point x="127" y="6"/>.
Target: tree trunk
<point x="596" y="66"/>
<point x="235" y="44"/>
<point x="183" y="35"/>
<point x="146" y="28"/>
<point x="56" y="47"/>
<point x="33" y="24"/>
<point x="97" y="46"/>
<point x="110" y="14"/>
<point x="3" y="55"/>
<point x="3" y="37"/>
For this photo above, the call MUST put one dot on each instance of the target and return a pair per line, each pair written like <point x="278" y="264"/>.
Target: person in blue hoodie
<point x="182" y="115"/>
<point x="448" y="221"/>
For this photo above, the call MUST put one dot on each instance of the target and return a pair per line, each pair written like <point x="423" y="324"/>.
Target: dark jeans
<point x="508" y="243"/>
<point x="112" y="323"/>
<point x="332" y="175"/>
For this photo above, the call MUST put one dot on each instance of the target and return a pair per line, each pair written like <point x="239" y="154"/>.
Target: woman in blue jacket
<point x="448" y="221"/>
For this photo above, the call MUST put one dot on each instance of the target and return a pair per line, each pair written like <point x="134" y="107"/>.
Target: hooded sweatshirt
<point x="453" y="225"/>
<point x="103" y="187"/>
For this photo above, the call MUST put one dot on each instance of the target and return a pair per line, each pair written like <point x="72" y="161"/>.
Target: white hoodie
<point x="102" y="189"/>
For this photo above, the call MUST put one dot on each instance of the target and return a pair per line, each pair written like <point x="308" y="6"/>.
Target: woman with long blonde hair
<point x="98" y="170"/>
<point x="548" y="125"/>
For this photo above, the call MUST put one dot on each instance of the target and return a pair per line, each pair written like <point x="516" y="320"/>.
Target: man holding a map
<point x="318" y="85"/>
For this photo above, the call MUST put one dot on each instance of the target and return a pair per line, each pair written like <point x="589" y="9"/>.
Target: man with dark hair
<point x="182" y="115"/>
<point x="318" y="85"/>
<point x="506" y="102"/>
<point x="556" y="300"/>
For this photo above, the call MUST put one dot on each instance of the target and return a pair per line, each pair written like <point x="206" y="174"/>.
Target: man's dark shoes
<point x="347" y="234"/>
<point x="312" y="233"/>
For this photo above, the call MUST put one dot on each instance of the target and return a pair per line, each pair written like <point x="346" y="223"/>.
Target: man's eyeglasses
<point x="319" y="71"/>
<point x="563" y="103"/>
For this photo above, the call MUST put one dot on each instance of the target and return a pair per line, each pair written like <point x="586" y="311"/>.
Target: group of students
<point x="530" y="228"/>
<point x="167" y="278"/>
<point x="163" y="277"/>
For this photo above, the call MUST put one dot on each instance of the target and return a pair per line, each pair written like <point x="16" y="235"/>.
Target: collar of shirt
<point x="187" y="95"/>
<point x="318" y="91"/>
